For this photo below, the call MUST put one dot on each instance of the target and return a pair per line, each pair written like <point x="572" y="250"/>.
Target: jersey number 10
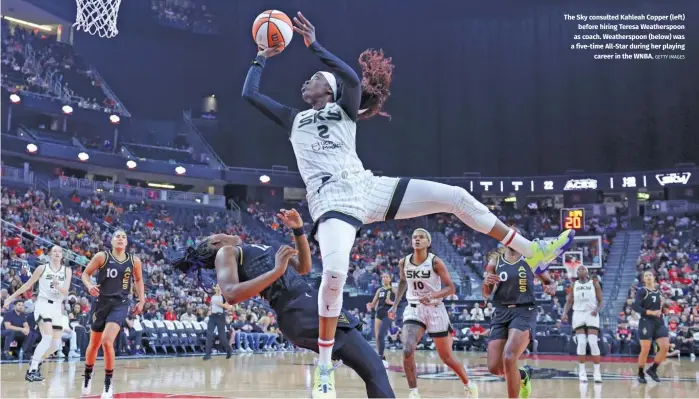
<point x="418" y="285"/>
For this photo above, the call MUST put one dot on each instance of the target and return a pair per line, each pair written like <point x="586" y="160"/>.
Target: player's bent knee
<point x="509" y="357"/>
<point x="408" y="350"/>
<point x="495" y="368"/>
<point x="582" y="344"/>
<point x="330" y="299"/>
<point x="474" y="213"/>
<point x="594" y="345"/>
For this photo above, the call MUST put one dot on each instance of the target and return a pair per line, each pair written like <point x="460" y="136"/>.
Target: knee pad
<point x="476" y="215"/>
<point x="582" y="344"/>
<point x="594" y="346"/>
<point x="330" y="296"/>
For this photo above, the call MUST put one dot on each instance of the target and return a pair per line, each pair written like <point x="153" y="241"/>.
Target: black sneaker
<point x="229" y="355"/>
<point x="653" y="373"/>
<point x="207" y="357"/>
<point x="33" y="376"/>
<point x="642" y="378"/>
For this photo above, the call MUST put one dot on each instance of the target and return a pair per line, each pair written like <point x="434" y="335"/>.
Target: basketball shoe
<point x="471" y="390"/>
<point x="86" y="386"/>
<point x="525" y="389"/>
<point x="108" y="392"/>
<point x="546" y="251"/>
<point x="324" y="382"/>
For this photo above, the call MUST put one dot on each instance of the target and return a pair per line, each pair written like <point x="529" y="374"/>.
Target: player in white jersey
<point x="54" y="284"/>
<point x="585" y="297"/>
<point x="427" y="281"/>
<point x="342" y="195"/>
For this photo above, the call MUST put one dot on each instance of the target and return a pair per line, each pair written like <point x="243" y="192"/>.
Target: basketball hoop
<point x="97" y="17"/>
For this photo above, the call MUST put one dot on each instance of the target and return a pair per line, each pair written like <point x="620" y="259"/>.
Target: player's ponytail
<point x="377" y="71"/>
<point x="195" y="259"/>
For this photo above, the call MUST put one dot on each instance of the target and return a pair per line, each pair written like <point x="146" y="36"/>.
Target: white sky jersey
<point x="46" y="289"/>
<point x="421" y="279"/>
<point x="324" y="144"/>
<point x="584" y="296"/>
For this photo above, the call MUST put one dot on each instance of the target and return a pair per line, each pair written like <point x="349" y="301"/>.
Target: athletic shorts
<point x="585" y="319"/>
<point x="433" y="318"/>
<point x="49" y="310"/>
<point x="298" y="320"/>
<point x="652" y="328"/>
<point x="359" y="195"/>
<point x="109" y="310"/>
<point x="521" y="317"/>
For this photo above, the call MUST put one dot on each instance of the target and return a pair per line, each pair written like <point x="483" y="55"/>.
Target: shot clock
<point x="573" y="218"/>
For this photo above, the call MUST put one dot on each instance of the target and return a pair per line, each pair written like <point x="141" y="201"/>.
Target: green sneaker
<point x="525" y="388"/>
<point x="546" y="251"/>
<point x="324" y="382"/>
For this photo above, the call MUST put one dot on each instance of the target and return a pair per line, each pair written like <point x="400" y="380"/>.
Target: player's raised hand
<point x="269" y="51"/>
<point x="492" y="279"/>
<point x="281" y="259"/>
<point x="291" y="218"/>
<point x="303" y="27"/>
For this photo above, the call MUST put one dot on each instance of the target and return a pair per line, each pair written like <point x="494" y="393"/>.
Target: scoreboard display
<point x="573" y="218"/>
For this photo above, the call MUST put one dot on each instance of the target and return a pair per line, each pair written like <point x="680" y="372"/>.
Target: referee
<point x="217" y="321"/>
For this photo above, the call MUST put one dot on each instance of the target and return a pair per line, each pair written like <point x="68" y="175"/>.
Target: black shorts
<point x="381" y="313"/>
<point x="522" y="317"/>
<point x="109" y="310"/>
<point x="652" y="329"/>
<point x="297" y="316"/>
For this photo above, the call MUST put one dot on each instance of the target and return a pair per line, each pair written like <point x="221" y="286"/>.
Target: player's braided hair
<point x="196" y="258"/>
<point x="377" y="71"/>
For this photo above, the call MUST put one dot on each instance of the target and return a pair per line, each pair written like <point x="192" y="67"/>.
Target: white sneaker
<point x="414" y="395"/>
<point x="471" y="390"/>
<point x="73" y="355"/>
<point x="597" y="377"/>
<point x="582" y="375"/>
<point x="385" y="363"/>
<point x="86" y="389"/>
<point x="108" y="393"/>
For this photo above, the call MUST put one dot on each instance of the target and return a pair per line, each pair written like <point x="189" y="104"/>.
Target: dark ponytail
<point x="195" y="259"/>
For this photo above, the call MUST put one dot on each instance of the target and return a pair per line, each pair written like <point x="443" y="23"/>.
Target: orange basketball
<point x="272" y="28"/>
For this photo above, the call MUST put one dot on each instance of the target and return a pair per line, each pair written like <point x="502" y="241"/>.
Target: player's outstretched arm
<point x="232" y="289"/>
<point x="278" y="113"/>
<point x="352" y="88"/>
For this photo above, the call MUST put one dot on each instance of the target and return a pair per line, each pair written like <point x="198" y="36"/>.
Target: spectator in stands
<point x="16" y="329"/>
<point x="394" y="340"/>
<point x="477" y="337"/>
<point x="477" y="313"/>
<point x="622" y="343"/>
<point x="488" y="311"/>
<point x="188" y="316"/>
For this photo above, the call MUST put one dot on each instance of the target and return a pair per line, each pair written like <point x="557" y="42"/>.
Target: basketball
<point x="272" y="28"/>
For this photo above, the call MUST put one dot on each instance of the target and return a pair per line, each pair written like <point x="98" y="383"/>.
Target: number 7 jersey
<point x="422" y="279"/>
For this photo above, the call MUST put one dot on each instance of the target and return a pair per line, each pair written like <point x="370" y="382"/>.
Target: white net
<point x="97" y="17"/>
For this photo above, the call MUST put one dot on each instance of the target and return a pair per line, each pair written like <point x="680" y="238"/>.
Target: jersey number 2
<point x="418" y="285"/>
<point x="323" y="131"/>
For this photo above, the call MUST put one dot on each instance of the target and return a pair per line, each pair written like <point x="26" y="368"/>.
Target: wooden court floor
<point x="289" y="375"/>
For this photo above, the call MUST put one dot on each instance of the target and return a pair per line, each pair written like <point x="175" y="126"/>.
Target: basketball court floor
<point x="289" y="375"/>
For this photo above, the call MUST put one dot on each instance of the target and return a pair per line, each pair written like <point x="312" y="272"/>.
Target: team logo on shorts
<point x="481" y="373"/>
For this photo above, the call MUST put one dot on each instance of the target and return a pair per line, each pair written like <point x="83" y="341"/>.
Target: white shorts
<point x="583" y="318"/>
<point x="46" y="311"/>
<point x="361" y="195"/>
<point x="433" y="318"/>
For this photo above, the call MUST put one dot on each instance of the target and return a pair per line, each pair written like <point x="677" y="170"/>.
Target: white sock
<point x="413" y="390"/>
<point x="582" y="367"/>
<point x="596" y="366"/>
<point x="325" y="350"/>
<point x="43" y="346"/>
<point x="519" y="243"/>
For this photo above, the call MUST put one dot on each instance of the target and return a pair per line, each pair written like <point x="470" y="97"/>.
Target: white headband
<point x="332" y="81"/>
<point x="427" y="233"/>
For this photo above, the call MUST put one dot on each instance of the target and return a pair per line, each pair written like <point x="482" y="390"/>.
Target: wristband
<point x="298" y="232"/>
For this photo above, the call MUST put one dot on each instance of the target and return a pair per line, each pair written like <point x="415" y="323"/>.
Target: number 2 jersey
<point x="114" y="277"/>
<point x="256" y="260"/>
<point x="46" y="287"/>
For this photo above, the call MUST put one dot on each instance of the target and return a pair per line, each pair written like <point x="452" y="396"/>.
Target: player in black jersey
<point x="244" y="271"/>
<point x="649" y="303"/>
<point x="115" y="270"/>
<point x="383" y="300"/>
<point x="511" y="283"/>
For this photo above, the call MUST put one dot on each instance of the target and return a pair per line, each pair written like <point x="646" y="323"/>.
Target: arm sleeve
<point x="638" y="303"/>
<point x="278" y="113"/>
<point x="352" y="90"/>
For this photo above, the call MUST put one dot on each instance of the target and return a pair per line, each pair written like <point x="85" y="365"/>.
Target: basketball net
<point x="97" y="17"/>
